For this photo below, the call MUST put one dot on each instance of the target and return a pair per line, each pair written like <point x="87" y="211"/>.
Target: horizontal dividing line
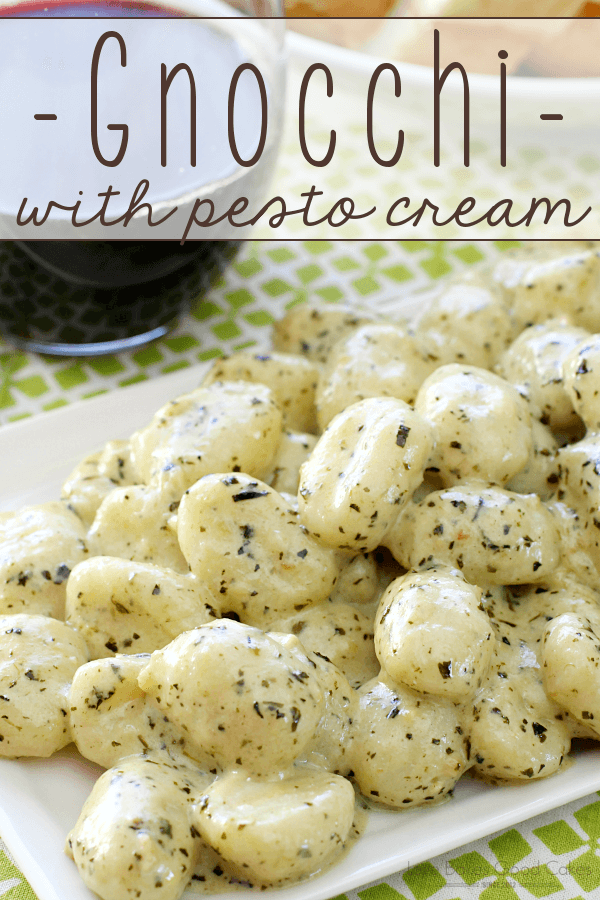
<point x="45" y="117"/>
<point x="551" y="117"/>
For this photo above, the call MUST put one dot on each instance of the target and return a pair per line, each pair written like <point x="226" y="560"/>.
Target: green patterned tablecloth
<point x="267" y="279"/>
<point x="554" y="855"/>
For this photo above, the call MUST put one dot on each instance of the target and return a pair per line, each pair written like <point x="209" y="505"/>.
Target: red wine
<point x="82" y="296"/>
<point x="55" y="313"/>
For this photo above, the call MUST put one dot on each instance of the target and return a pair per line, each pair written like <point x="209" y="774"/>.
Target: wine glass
<point x="89" y="296"/>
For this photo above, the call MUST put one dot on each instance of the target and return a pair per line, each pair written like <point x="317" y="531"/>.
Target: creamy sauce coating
<point x="258" y="660"/>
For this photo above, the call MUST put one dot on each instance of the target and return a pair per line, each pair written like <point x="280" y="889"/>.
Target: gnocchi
<point x="366" y="561"/>
<point x="38" y="659"/>
<point x="481" y="425"/>
<point x="361" y="473"/>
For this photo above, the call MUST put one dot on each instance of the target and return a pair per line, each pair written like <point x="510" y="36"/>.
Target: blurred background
<point x="554" y="47"/>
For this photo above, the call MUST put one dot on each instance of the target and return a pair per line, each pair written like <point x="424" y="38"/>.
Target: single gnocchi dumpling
<point x="135" y="523"/>
<point x="111" y="717"/>
<point x="292" y="379"/>
<point x="339" y="631"/>
<point x="96" y="476"/>
<point x="581" y="377"/>
<point x="432" y="634"/>
<point x="525" y="611"/>
<point x="519" y="619"/>
<point x="294" y="449"/>
<point x="84" y="490"/>
<point x="579" y="489"/>
<point x="39" y="545"/>
<point x="481" y="425"/>
<point x="328" y="746"/>
<point x="135" y="834"/>
<point x="312" y="330"/>
<point x="278" y="829"/>
<point x="512" y="267"/>
<point x="407" y="749"/>
<point x="245" y="543"/>
<point x="563" y="282"/>
<point x="571" y="667"/>
<point x="541" y="472"/>
<point x="363" y="470"/>
<point x="491" y="535"/>
<point x="576" y="541"/>
<point x="237" y="694"/>
<point x="374" y="361"/>
<point x="517" y="730"/>
<point x="38" y="659"/>
<point x="475" y="314"/>
<point x="121" y="606"/>
<point x="534" y="363"/>
<point x="223" y="427"/>
<point x="442" y="349"/>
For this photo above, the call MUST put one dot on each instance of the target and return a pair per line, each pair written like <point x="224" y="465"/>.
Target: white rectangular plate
<point x="40" y="800"/>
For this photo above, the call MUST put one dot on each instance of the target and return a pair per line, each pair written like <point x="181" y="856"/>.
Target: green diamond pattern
<point x="316" y="248"/>
<point x="106" y="365"/>
<point x="509" y="848"/>
<point x="366" y="285"/>
<point x="469" y="254"/>
<point x="381" y="892"/>
<point x="225" y="331"/>
<point x="32" y="386"/>
<point x="398" y="273"/>
<point x="133" y="379"/>
<point x="148" y="356"/>
<point x="346" y="264"/>
<point x="559" y="837"/>
<point x="585" y="870"/>
<point x="281" y="255"/>
<point x="71" y="377"/>
<point x="259" y="317"/>
<point x="96" y="393"/>
<point x="436" y="267"/>
<point x="330" y="294"/>
<point x="472" y="867"/>
<point x="276" y="287"/>
<point x="539" y="881"/>
<point x="375" y="252"/>
<point x="589" y="819"/>
<point x="182" y="343"/>
<point x="175" y="366"/>
<point x="20" y="889"/>
<point x="507" y="245"/>
<point x="6" y="398"/>
<point x="210" y="354"/>
<point x="424" y="880"/>
<point x="414" y="246"/>
<point x="512" y="851"/>
<point x="55" y="404"/>
<point x="306" y="274"/>
<point x="205" y="310"/>
<point x="248" y="268"/>
<point x="240" y="298"/>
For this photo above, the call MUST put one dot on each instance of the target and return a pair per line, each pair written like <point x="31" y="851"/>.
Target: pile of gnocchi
<point x="349" y="569"/>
